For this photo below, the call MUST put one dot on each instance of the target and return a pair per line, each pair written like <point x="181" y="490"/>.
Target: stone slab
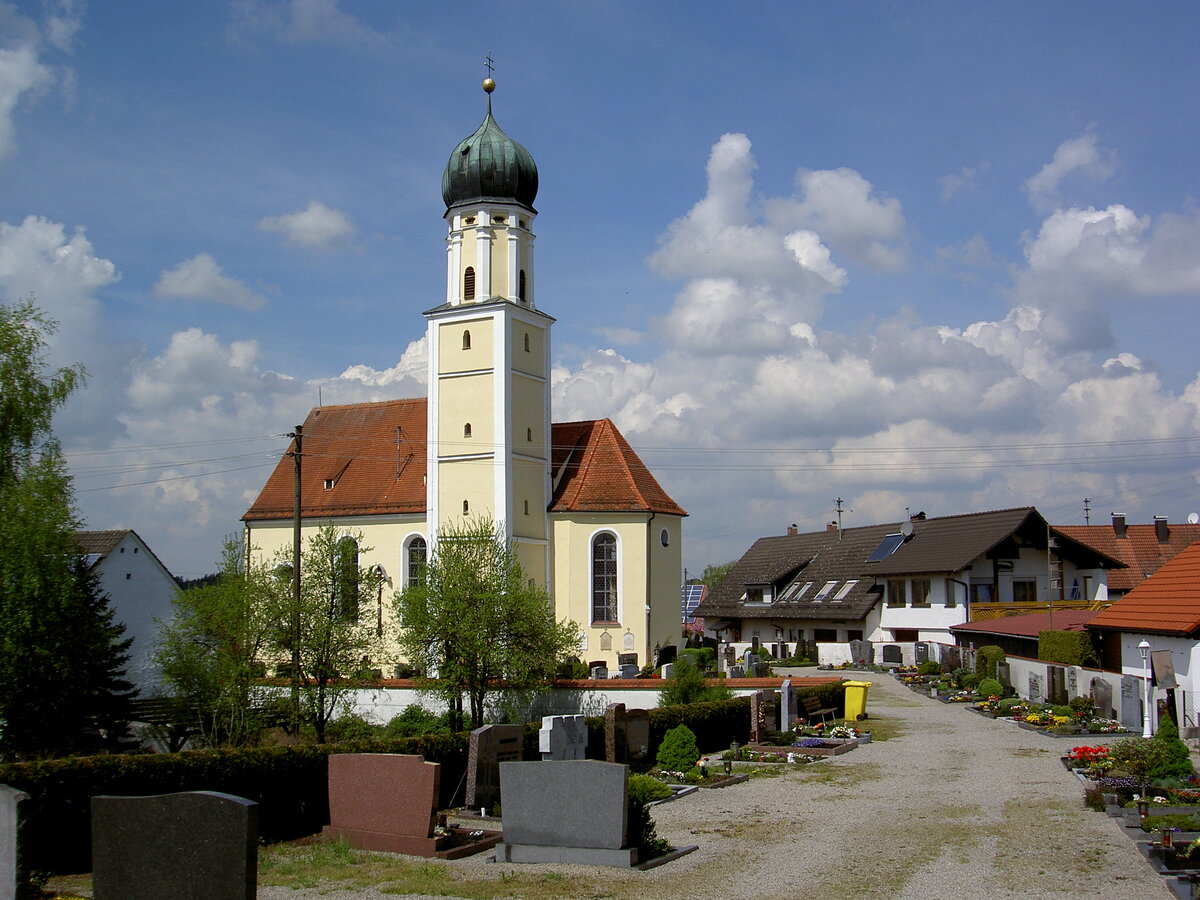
<point x="587" y="856"/>
<point x="490" y="746"/>
<point x="14" y="873"/>
<point x="201" y="845"/>
<point x="563" y="738"/>
<point x="372" y="795"/>
<point x="566" y="803"/>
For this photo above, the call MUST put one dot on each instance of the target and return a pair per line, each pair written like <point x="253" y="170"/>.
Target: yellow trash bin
<point x="856" y="699"/>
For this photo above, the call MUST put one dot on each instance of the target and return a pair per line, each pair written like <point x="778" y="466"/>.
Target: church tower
<point x="489" y="352"/>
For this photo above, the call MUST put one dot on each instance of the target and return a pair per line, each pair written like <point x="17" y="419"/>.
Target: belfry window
<point x="469" y="283"/>
<point x="521" y="295"/>
<point x="604" y="578"/>
<point x="526" y="338"/>
<point x="466" y="340"/>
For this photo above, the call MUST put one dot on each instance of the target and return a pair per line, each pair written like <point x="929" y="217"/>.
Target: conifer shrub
<point x="990" y="687"/>
<point x="1171" y="756"/>
<point x="678" y="751"/>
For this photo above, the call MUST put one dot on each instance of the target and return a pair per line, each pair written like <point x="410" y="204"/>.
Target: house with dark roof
<point x="584" y="515"/>
<point x="1143" y="548"/>
<point x="139" y="589"/>
<point x="1164" y="612"/>
<point x="903" y="581"/>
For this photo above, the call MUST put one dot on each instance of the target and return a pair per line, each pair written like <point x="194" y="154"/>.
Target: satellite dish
<point x="906" y="529"/>
<point x="1193" y="518"/>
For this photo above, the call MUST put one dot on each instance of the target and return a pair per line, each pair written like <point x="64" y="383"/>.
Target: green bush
<point x="704" y="658"/>
<point x="930" y="667"/>
<point x="1060" y="710"/>
<point x="1071" y="648"/>
<point x="1172" y="757"/>
<point x="687" y="684"/>
<point x="1008" y="703"/>
<point x="414" y="721"/>
<point x="678" y="751"/>
<point x="986" y="659"/>
<point x="644" y="789"/>
<point x="1083" y="706"/>
<point x="572" y="668"/>
<point x="990" y="687"/>
<point x="351" y="727"/>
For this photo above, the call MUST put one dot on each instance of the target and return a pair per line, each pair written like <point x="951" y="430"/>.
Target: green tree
<point x="338" y="635"/>
<point x="476" y="620"/>
<point x="210" y="651"/>
<point x="62" y="656"/>
<point x="687" y="684"/>
<point x="713" y="573"/>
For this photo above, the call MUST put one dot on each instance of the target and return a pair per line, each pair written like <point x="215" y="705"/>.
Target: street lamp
<point x="1144" y="650"/>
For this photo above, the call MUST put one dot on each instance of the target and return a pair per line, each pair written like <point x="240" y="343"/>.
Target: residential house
<point x="139" y="589"/>
<point x="1143" y="548"/>
<point x="903" y="581"/>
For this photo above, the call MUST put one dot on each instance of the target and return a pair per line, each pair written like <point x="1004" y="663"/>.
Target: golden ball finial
<point x="488" y="85"/>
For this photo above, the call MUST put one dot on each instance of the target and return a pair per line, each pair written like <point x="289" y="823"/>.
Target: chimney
<point x="792" y="529"/>
<point x="919" y="517"/>
<point x="1119" y="524"/>
<point x="1160" y="529"/>
<point x="832" y="526"/>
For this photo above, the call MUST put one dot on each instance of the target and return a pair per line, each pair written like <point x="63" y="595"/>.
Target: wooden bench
<point x="813" y="710"/>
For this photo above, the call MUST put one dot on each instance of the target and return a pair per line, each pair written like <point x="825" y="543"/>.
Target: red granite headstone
<point x="384" y="801"/>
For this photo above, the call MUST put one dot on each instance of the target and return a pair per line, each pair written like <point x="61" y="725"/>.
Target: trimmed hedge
<point x="1071" y="648"/>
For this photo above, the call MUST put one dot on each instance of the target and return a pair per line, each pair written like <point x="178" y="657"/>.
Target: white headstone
<point x="563" y="737"/>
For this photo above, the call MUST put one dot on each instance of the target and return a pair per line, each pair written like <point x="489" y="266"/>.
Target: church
<point x="587" y="519"/>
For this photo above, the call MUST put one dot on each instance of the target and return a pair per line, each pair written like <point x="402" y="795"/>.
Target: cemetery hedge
<point x="1071" y="648"/>
<point x="289" y="783"/>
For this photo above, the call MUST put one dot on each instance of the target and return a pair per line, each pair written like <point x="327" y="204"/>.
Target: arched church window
<point x="467" y="430"/>
<point x="466" y="340"/>
<point x="466" y="508"/>
<point x="414" y="569"/>
<point x="529" y="435"/>
<point x="526" y="507"/>
<point x="526" y="338"/>
<point x="521" y="297"/>
<point x="469" y="283"/>
<point x="345" y="587"/>
<point x="604" y="577"/>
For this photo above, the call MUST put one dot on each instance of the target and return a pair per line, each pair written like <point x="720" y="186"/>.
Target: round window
<point x="665" y="537"/>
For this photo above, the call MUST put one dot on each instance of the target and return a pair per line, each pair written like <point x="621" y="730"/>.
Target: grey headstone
<point x="490" y="746"/>
<point x="920" y="652"/>
<point x="1102" y="698"/>
<point x="200" y="845"/>
<point x="737" y="671"/>
<point x="14" y="872"/>
<point x="1072" y="684"/>
<point x="568" y="811"/>
<point x="1131" y="702"/>
<point x="868" y="652"/>
<point x="1036" y="690"/>
<point x="628" y="671"/>
<point x="563" y="737"/>
<point x="1056" y="678"/>
<point x="787" y="711"/>
<point x="856" y="654"/>
<point x="750" y="660"/>
<point x="892" y="654"/>
<point x="600" y="672"/>
<point x="1003" y="673"/>
<point x="667" y="670"/>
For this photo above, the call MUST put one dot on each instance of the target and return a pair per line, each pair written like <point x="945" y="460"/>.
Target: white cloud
<point x="63" y="22"/>
<point x="20" y="73"/>
<point x="1078" y="156"/>
<point x="964" y="179"/>
<point x="200" y="278"/>
<point x="317" y="226"/>
<point x="974" y="252"/>
<point x="302" y="22"/>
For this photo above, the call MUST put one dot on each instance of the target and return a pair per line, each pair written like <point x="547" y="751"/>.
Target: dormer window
<point x="469" y="283"/>
<point x="329" y="483"/>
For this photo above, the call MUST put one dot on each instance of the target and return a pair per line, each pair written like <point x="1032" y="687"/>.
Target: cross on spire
<point x="488" y="64"/>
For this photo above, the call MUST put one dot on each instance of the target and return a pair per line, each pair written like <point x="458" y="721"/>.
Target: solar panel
<point x="690" y="598"/>
<point x="889" y="545"/>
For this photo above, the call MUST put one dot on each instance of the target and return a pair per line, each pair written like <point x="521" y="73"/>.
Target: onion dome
<point x="489" y="166"/>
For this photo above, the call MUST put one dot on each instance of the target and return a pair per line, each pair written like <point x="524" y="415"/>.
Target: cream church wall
<point x="452" y="356"/>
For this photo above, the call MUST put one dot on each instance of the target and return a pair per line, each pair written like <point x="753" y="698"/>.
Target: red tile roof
<point x="374" y="454"/>
<point x="1032" y="624"/>
<point x="1139" y="549"/>
<point x="1168" y="602"/>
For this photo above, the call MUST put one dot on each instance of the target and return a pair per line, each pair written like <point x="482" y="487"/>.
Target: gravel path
<point x="956" y="807"/>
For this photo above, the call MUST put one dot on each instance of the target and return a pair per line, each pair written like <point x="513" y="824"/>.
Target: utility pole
<point x="1087" y="511"/>
<point x="297" y="455"/>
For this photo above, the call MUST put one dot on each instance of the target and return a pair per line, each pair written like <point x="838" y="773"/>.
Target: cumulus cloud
<point x="1081" y="157"/>
<point x="965" y="178"/>
<point x="200" y="278"/>
<point x="20" y="73"/>
<point x="317" y="226"/>
<point x="302" y="22"/>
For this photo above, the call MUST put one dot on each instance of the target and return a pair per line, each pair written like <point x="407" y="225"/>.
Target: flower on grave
<point x="811" y="742"/>
<point x="791" y="757"/>
<point x="1158" y="799"/>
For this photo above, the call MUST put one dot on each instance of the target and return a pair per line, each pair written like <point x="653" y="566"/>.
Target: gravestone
<point x="787" y="709"/>
<point x="490" y="746"/>
<point x="1131" y="702"/>
<point x="750" y="660"/>
<point x="628" y="671"/>
<point x="892" y="654"/>
<point x="951" y="658"/>
<point x="868" y="652"/>
<point x="920" y="652"/>
<point x="605" y="642"/>
<point x="626" y="733"/>
<point x="627" y="659"/>
<point x="667" y="670"/>
<point x="384" y="801"/>
<point x="599" y="672"/>
<point x="572" y="811"/>
<point x="1036" y="689"/>
<point x="856" y="654"/>
<point x="199" y="844"/>
<point x="1056" y="679"/>
<point x="14" y="872"/>
<point x="1004" y="674"/>
<point x="754" y="644"/>
<point x="667" y="654"/>
<point x="762" y="715"/>
<point x="1102" y="698"/>
<point x="737" y="672"/>
<point x="1072" y="684"/>
<point x="728" y="657"/>
<point x="563" y="737"/>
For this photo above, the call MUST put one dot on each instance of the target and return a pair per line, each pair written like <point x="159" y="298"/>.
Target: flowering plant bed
<point x="824" y="747"/>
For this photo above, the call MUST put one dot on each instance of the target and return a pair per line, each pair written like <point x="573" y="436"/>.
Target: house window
<point x="951" y="587"/>
<point x="981" y="592"/>
<point x="415" y="562"/>
<point x="521" y="297"/>
<point x="1024" y="590"/>
<point x="466" y="340"/>
<point x="897" y="592"/>
<point x="526" y="342"/>
<point x="469" y="284"/>
<point x="825" y="635"/>
<point x="345" y="580"/>
<point x="905" y="635"/>
<point x="921" y="589"/>
<point x="604" y="578"/>
<point x="845" y="589"/>
<point x="467" y="430"/>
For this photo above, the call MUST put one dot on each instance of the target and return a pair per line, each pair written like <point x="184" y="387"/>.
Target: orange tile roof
<point x="1139" y="549"/>
<point x="375" y="456"/>
<point x="1167" y="602"/>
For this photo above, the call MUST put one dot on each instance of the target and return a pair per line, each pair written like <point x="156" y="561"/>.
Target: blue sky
<point x="923" y="256"/>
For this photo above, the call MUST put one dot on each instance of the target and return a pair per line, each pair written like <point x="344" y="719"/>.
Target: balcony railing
<point x="984" y="612"/>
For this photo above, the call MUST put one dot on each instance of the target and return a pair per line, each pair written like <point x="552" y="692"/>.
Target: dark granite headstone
<point x="626" y="733"/>
<point x="628" y="671"/>
<point x="599" y="672"/>
<point x="920" y="652"/>
<point x="490" y="746"/>
<point x="762" y="714"/>
<point x="383" y="801"/>
<point x="570" y="811"/>
<point x="1004" y="674"/>
<point x="667" y="654"/>
<point x="737" y="671"/>
<point x="892" y="654"/>
<point x="14" y="873"/>
<point x="200" y="845"/>
<point x="627" y="659"/>
<point x="1102" y="698"/>
<point x="1056" y="679"/>
<point x="951" y="658"/>
<point x="868" y="652"/>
